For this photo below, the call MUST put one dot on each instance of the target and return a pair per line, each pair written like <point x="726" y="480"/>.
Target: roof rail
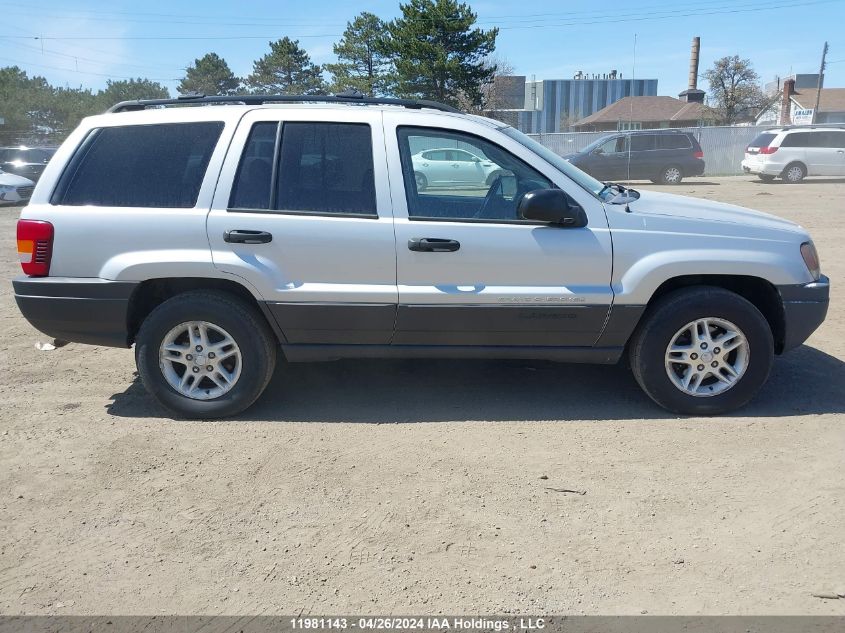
<point x="798" y="126"/>
<point x="348" y="96"/>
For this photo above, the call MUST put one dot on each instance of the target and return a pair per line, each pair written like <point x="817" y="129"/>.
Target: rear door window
<point x="327" y="168"/>
<point x="642" y="142"/>
<point x="833" y="139"/>
<point x="140" y="166"/>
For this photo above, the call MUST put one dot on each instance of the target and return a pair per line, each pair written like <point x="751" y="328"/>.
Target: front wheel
<point x="702" y="351"/>
<point x="205" y="354"/>
<point x="421" y="181"/>
<point x="766" y="177"/>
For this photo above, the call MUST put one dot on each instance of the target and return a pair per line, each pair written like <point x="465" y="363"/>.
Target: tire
<point x="766" y="177"/>
<point x="794" y="173"/>
<point x="671" y="175"/>
<point x="421" y="180"/>
<point x="249" y="366"/>
<point x="665" y="323"/>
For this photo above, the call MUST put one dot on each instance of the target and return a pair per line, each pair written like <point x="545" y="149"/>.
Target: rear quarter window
<point x="673" y="141"/>
<point x="799" y="139"/>
<point x="160" y="165"/>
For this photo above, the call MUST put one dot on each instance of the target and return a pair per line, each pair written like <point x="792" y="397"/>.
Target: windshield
<point x="594" y="144"/>
<point x="586" y="182"/>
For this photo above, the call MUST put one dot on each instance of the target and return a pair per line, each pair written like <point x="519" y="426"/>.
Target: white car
<point x="449" y="165"/>
<point x="795" y="152"/>
<point x="321" y="247"/>
<point x="14" y="189"/>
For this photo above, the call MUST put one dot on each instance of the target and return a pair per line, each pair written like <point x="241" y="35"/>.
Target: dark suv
<point x="662" y="156"/>
<point x="28" y="162"/>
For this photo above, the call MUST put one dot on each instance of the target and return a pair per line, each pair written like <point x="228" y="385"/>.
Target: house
<point x="796" y="106"/>
<point x="644" y="113"/>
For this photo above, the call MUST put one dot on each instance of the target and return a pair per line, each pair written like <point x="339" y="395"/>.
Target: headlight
<point x="6" y="189"/>
<point x="811" y="259"/>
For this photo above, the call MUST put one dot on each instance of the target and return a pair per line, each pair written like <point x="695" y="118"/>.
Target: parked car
<point x="14" y="189"/>
<point x="231" y="260"/>
<point x="662" y="156"/>
<point x="448" y="166"/>
<point x="26" y="161"/>
<point x="795" y="152"/>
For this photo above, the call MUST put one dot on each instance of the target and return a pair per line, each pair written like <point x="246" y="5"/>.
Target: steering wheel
<point x="491" y="193"/>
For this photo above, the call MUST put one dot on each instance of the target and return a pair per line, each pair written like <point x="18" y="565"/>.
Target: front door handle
<point x="244" y="236"/>
<point x="433" y="245"/>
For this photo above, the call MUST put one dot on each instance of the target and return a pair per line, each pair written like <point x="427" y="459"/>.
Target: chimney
<point x="693" y="63"/>
<point x="692" y="94"/>
<point x="786" y="103"/>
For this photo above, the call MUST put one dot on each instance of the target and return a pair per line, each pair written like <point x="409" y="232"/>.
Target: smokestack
<point x="693" y="63"/>
<point x="786" y="103"/>
<point x="692" y="94"/>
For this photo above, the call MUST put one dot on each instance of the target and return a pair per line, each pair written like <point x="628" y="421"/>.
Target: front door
<point x="302" y="214"/>
<point x="470" y="272"/>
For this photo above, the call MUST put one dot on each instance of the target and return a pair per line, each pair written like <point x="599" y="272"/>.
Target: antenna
<point x="631" y="110"/>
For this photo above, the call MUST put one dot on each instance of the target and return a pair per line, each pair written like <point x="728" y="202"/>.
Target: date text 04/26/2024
<point x="418" y="623"/>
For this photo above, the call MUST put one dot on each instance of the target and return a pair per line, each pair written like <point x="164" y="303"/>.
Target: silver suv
<point x="216" y="239"/>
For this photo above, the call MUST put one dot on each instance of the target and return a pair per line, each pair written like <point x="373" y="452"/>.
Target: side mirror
<point x="476" y="159"/>
<point x="597" y="151"/>
<point x="553" y="206"/>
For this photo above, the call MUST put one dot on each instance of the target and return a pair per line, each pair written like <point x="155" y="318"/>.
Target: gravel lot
<point x="424" y="487"/>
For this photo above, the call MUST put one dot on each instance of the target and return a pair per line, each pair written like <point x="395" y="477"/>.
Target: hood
<point x="13" y="180"/>
<point x="671" y="205"/>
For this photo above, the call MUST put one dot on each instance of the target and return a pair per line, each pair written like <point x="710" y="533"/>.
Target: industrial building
<point x="552" y="105"/>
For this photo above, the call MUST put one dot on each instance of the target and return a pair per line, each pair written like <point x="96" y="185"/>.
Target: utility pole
<point x="820" y="82"/>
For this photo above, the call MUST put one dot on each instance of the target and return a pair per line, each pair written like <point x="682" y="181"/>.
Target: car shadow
<point x="418" y="391"/>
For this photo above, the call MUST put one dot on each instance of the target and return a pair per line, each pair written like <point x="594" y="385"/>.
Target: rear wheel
<point x="794" y="173"/>
<point x="205" y="354"/>
<point x="702" y="351"/>
<point x="671" y="175"/>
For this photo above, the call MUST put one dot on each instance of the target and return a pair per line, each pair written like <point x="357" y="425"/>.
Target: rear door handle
<point x="433" y="245"/>
<point x="244" y="236"/>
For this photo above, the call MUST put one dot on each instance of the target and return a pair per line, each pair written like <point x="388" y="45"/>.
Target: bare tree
<point x="734" y="89"/>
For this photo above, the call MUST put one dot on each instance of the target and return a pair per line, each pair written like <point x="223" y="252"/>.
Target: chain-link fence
<point x="723" y="147"/>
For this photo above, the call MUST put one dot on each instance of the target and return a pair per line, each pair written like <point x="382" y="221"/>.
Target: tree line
<point x="433" y="50"/>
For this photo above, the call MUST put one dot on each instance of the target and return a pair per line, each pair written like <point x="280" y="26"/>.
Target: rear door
<point x="302" y="213"/>
<point x="835" y="141"/>
<point x="646" y="159"/>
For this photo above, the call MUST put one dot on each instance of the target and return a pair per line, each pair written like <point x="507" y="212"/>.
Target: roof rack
<point x="348" y="96"/>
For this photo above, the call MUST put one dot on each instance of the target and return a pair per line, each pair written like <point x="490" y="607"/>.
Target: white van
<point x="793" y="153"/>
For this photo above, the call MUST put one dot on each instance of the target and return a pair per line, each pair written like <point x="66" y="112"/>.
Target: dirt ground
<point x="423" y="487"/>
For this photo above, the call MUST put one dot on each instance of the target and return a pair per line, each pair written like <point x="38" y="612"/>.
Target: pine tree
<point x="361" y="64"/>
<point x="437" y="54"/>
<point x="286" y="69"/>
<point x="209" y="75"/>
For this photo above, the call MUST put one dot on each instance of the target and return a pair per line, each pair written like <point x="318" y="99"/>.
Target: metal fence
<point x="723" y="147"/>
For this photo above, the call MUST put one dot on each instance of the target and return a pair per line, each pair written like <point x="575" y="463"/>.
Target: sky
<point x="82" y="43"/>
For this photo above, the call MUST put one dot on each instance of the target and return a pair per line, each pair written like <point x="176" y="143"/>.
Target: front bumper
<point x="77" y="310"/>
<point x="804" y="310"/>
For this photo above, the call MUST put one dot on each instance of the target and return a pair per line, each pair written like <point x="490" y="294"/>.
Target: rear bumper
<point x="804" y="309"/>
<point x="92" y="311"/>
<point x="756" y="167"/>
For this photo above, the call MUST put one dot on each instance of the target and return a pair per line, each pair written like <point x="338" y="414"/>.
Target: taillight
<point x="35" y="247"/>
<point x="698" y="155"/>
<point x="768" y="150"/>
